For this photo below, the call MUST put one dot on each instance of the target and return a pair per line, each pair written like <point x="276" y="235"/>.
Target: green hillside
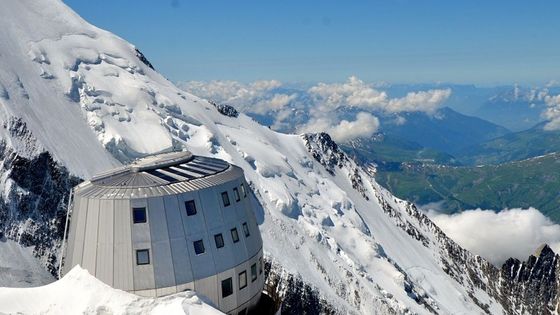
<point x="512" y="147"/>
<point x="529" y="183"/>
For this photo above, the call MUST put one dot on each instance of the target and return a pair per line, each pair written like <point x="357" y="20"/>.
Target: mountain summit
<point x="75" y="100"/>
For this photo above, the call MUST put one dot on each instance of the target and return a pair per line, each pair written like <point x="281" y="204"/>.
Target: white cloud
<point x="364" y="125"/>
<point x="498" y="236"/>
<point x="552" y="112"/>
<point x="423" y="101"/>
<point x="356" y="93"/>
<point x="318" y="108"/>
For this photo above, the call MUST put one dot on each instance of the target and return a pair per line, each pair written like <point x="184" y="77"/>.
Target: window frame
<point x="246" y="229"/>
<point x="187" y="207"/>
<point x="236" y="194"/>
<point x="244" y="273"/>
<point x="136" y="209"/>
<point x="255" y="275"/>
<point x="143" y="250"/>
<point x="203" y="248"/>
<point x="243" y="190"/>
<point x="236" y="238"/>
<point x="220" y="236"/>
<point x="225" y="281"/>
<point x="225" y="199"/>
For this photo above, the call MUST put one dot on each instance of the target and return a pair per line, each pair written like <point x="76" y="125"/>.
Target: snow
<point x="18" y="267"/>
<point x="93" y="104"/>
<point x="81" y="293"/>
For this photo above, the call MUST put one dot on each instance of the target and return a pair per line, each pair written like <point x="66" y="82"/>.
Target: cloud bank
<point x="318" y="108"/>
<point x="498" y="236"/>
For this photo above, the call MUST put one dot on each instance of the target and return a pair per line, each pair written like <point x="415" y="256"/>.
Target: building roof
<point x="159" y="175"/>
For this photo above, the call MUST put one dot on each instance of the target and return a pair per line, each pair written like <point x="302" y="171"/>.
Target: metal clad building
<point x="170" y="223"/>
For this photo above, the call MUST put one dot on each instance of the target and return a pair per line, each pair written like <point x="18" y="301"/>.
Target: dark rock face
<point x="143" y="58"/>
<point x="297" y="297"/>
<point x="225" y="109"/>
<point x="33" y="206"/>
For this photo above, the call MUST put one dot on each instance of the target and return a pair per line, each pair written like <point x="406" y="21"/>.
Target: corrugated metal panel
<point x="211" y="208"/>
<point x="208" y="287"/>
<point x="141" y="239"/>
<point x="72" y="233"/>
<point x="194" y="224"/>
<point x="179" y="252"/>
<point x="202" y="264"/>
<point x="229" y="302"/>
<point x="164" y="274"/>
<point x="181" y="261"/>
<point x="123" y="255"/>
<point x="224" y="258"/>
<point x="104" y="265"/>
<point x="90" y="241"/>
<point x="229" y="174"/>
<point x="143" y="274"/>
<point x="243" y="295"/>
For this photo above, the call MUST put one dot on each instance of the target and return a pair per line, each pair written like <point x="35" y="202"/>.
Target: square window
<point x="191" y="207"/>
<point x="253" y="272"/>
<point x="225" y="199"/>
<point x="139" y="215"/>
<point x="236" y="194"/>
<point x="242" y="280"/>
<point x="260" y="266"/>
<point x="234" y="235"/>
<point x="243" y="190"/>
<point x="219" y="239"/>
<point x="143" y="257"/>
<point x="198" y="247"/>
<point x="227" y="287"/>
<point x="246" y="229"/>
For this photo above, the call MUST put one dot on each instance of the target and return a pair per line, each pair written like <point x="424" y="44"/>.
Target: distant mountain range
<point x="446" y="130"/>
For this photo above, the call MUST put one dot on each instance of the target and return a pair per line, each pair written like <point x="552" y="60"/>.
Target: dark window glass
<point x="236" y="194"/>
<point x="243" y="190"/>
<point x="234" y="235"/>
<point x="242" y="280"/>
<point x="219" y="239"/>
<point x="242" y="312"/>
<point x="260" y="266"/>
<point x="198" y="247"/>
<point x="227" y="287"/>
<point x="253" y="272"/>
<point x="191" y="207"/>
<point x="139" y="215"/>
<point x="246" y="229"/>
<point x="225" y="199"/>
<point x="143" y="257"/>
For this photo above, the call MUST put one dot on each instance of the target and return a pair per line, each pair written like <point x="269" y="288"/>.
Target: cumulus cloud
<point x="364" y="125"/>
<point x="498" y="236"/>
<point x="317" y="108"/>
<point x="552" y="112"/>
<point x="356" y="93"/>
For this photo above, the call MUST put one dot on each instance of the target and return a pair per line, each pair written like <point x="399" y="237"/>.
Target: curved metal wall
<point x="103" y="239"/>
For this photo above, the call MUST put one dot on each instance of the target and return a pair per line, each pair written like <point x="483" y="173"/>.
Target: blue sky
<point x="481" y="42"/>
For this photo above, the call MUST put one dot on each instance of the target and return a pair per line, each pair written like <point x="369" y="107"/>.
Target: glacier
<point x="76" y="100"/>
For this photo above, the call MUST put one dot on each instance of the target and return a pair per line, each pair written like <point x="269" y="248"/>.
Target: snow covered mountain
<point x="75" y="100"/>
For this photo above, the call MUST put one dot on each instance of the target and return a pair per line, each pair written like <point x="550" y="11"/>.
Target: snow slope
<point x="89" y="100"/>
<point x="81" y="293"/>
<point x="18" y="267"/>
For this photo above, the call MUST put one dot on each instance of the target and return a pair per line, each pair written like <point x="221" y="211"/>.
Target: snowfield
<point x="81" y="293"/>
<point x="88" y="99"/>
